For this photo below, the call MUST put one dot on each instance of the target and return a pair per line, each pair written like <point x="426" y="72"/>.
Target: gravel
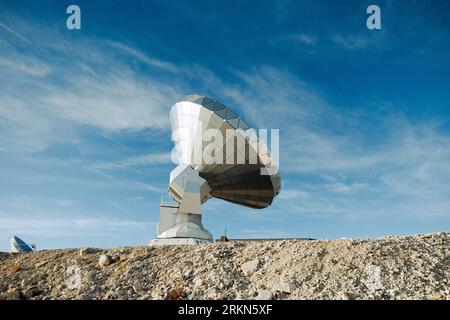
<point x="415" y="267"/>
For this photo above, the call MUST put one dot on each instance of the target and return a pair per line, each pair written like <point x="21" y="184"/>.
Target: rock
<point x="157" y="295"/>
<point x="212" y="293"/>
<point x="13" y="295"/>
<point x="346" y="296"/>
<point x="30" y="292"/>
<point x="198" y="282"/>
<point x="104" y="260"/>
<point x="187" y="274"/>
<point x="40" y="264"/>
<point x="264" y="295"/>
<point x="16" y="268"/>
<point x="250" y="266"/>
<point x="373" y="281"/>
<point x="138" y="288"/>
<point x="286" y="286"/>
<point x="239" y="296"/>
<point x="85" y="251"/>
<point x="221" y="296"/>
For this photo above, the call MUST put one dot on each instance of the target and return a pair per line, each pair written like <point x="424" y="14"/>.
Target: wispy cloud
<point x="269" y="97"/>
<point x="64" y="203"/>
<point x="359" y="42"/>
<point x="97" y="88"/>
<point x="142" y="160"/>
<point x="119" y="104"/>
<point x="135" y="198"/>
<point x="335" y="163"/>
<point x="27" y="65"/>
<point x="23" y="128"/>
<point x="293" y="194"/>
<point x="112" y="140"/>
<point x="14" y="33"/>
<point x="306" y="39"/>
<point x="351" y="42"/>
<point x="137" y="54"/>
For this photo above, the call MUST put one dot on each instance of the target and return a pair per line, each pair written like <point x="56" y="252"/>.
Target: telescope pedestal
<point x="179" y="228"/>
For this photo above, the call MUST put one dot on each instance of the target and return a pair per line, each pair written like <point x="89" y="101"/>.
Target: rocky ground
<point x="416" y="267"/>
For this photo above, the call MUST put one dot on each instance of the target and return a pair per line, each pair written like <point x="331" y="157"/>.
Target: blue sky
<point x="364" y="115"/>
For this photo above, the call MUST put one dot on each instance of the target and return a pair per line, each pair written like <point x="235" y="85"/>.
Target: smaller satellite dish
<point x="18" y="245"/>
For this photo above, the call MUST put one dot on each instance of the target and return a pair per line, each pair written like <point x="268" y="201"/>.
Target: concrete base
<point x="178" y="241"/>
<point x="180" y="228"/>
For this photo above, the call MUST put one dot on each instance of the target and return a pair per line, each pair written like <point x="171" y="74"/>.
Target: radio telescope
<point x="18" y="245"/>
<point x="237" y="168"/>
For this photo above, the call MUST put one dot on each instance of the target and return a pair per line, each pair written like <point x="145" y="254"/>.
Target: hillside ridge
<point x="413" y="267"/>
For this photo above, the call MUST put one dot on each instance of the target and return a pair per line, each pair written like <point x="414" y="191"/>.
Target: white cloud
<point x="271" y="98"/>
<point x="359" y="42"/>
<point x="336" y="160"/>
<point x="133" y="52"/>
<point x="116" y="104"/>
<point x="27" y="65"/>
<point x="93" y="84"/>
<point x="351" y="42"/>
<point x="306" y="39"/>
<point x="319" y="138"/>
<point x="138" y="198"/>
<point x="344" y="187"/>
<point x="64" y="203"/>
<point x="21" y="127"/>
<point x="142" y="160"/>
<point x="112" y="140"/>
<point x="293" y="194"/>
<point x="14" y="33"/>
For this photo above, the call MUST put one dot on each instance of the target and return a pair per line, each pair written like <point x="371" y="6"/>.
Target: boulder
<point x="287" y="286"/>
<point x="250" y="266"/>
<point x="264" y="295"/>
<point x="85" y="251"/>
<point x="104" y="260"/>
